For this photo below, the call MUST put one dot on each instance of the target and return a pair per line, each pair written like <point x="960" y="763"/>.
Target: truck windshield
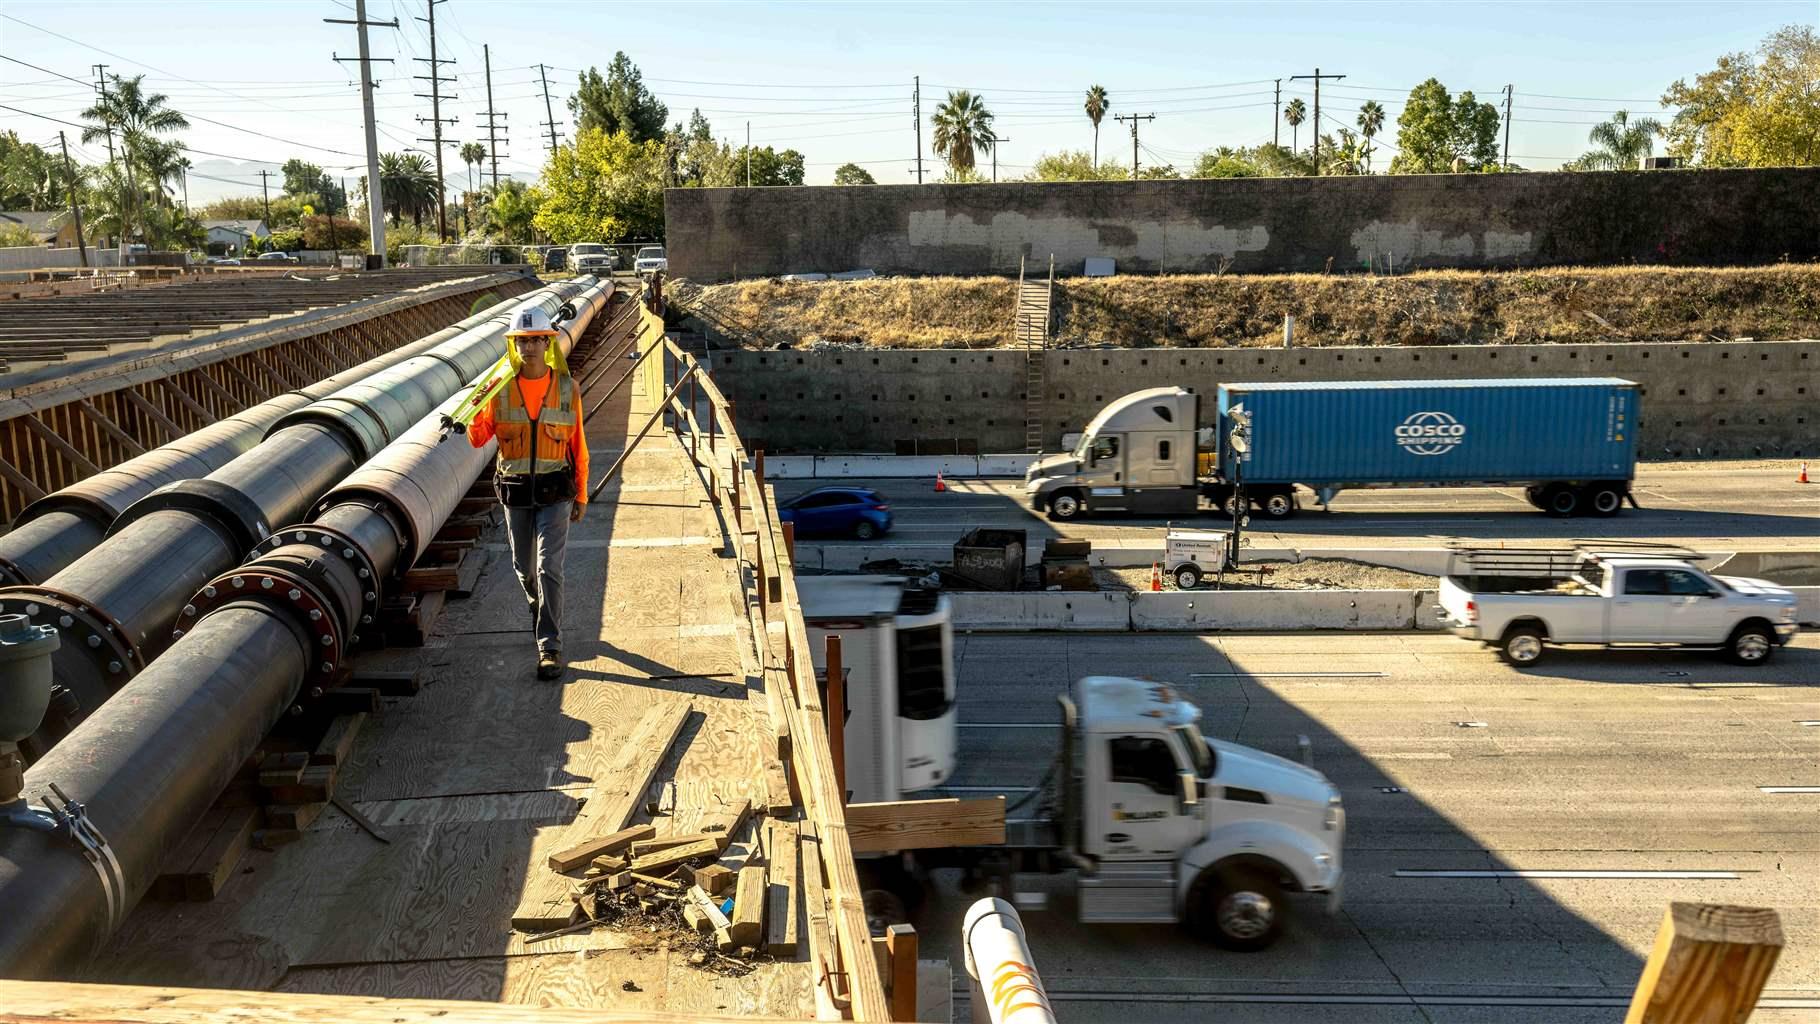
<point x="1197" y="750"/>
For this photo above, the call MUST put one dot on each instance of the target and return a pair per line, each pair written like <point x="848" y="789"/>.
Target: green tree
<point x="1097" y="105"/>
<point x="769" y="167"/>
<point x="1348" y="154"/>
<point x="618" y="102"/>
<point x="136" y="117"/>
<point x="511" y="215"/>
<point x="963" y="128"/>
<point x="347" y="234"/>
<point x="1437" y="129"/>
<point x="1760" y="110"/>
<point x="1622" y="142"/>
<point x="472" y="154"/>
<point x="1149" y="172"/>
<point x="853" y="174"/>
<point x="1073" y="165"/>
<point x="1371" y="122"/>
<point x="602" y="187"/>
<point x="31" y="178"/>
<point x="1294" y="113"/>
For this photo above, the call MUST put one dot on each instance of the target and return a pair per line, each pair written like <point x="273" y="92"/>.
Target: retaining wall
<point x="1250" y="225"/>
<point x="1736" y="399"/>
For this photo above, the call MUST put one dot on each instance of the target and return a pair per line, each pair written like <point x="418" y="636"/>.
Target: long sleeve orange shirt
<point x="533" y="391"/>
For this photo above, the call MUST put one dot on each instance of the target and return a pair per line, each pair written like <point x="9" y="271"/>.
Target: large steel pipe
<point x="117" y="604"/>
<point x="59" y="528"/>
<point x="148" y="767"/>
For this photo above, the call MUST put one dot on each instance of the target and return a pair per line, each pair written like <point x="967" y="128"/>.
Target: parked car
<point x="223" y="261"/>
<point x="593" y="258"/>
<point x="1521" y="600"/>
<point x="838" y="512"/>
<point x="556" y="258"/>
<point x="651" y="259"/>
<point x="276" y="257"/>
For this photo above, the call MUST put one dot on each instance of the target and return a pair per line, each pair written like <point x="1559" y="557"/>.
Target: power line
<point x="45" y="117"/>
<point x="1134" y="119"/>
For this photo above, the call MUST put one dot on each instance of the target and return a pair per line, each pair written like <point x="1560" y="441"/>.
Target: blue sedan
<point x="838" y="512"/>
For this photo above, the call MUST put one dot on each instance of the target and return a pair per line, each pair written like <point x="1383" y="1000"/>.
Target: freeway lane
<point x="1645" y="764"/>
<point x="1715" y="506"/>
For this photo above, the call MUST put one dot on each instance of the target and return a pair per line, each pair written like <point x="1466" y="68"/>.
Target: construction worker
<point x="543" y="471"/>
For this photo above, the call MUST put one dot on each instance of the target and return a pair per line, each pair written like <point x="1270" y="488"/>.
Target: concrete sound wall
<point x="1251" y="224"/>
<point x="1729" y="398"/>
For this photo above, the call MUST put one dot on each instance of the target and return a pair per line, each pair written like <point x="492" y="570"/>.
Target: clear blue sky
<point x="833" y="80"/>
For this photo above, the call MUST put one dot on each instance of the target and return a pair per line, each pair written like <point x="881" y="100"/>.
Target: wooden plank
<point x="399" y="683"/>
<point x="338" y="740"/>
<point x="783" y="925"/>
<point x="749" y="901"/>
<point x="215" y="865"/>
<point x="283" y="769"/>
<point x="349" y="700"/>
<point x="1710" y="963"/>
<point x="900" y="946"/>
<point x="170" y="884"/>
<point x="715" y="878"/>
<point x="315" y="785"/>
<point x="926" y="824"/>
<point x="581" y="853"/>
<point x="778" y="798"/>
<point x="709" y="847"/>
<point x="293" y="816"/>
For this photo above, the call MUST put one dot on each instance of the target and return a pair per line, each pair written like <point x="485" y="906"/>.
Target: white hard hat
<point x="530" y="320"/>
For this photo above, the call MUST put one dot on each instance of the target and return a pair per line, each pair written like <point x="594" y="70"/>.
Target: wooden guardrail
<point x="848" y="970"/>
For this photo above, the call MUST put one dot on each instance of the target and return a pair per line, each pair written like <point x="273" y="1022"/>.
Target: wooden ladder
<point x="1032" y="326"/>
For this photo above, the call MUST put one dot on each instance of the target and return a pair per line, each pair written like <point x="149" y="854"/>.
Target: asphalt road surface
<point x="1634" y="762"/>
<point x="1754" y="506"/>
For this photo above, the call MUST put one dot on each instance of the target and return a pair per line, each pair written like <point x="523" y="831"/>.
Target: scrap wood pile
<point x="730" y="885"/>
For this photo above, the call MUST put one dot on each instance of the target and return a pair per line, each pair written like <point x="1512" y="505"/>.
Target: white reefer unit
<point x="897" y="650"/>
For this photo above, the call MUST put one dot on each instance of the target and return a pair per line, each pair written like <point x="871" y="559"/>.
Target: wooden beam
<point x="31" y="491"/>
<point x="259" y="390"/>
<point x="837" y="713"/>
<point x="783" y="924"/>
<point x="187" y="400"/>
<point x="49" y="1002"/>
<point x="49" y="436"/>
<point x="110" y="427"/>
<point x="1709" y="965"/>
<point x="229" y="404"/>
<point x="926" y="824"/>
<point x="138" y="401"/>
<point x="677" y="854"/>
<point x="900" y="943"/>
<point x="749" y="899"/>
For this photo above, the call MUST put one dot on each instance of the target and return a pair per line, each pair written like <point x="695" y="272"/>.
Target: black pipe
<point x="54" y="531"/>
<point x="148" y="767"/>
<point x="117" y="604"/>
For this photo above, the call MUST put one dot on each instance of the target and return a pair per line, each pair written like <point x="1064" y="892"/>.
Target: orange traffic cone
<point x="1156" y="577"/>
<point x="1802" y="479"/>
<point x="939" y="486"/>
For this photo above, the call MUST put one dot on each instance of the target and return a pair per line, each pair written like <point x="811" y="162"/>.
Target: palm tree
<point x="1295" y="113"/>
<point x="1622" y="143"/>
<point x="472" y="153"/>
<point x="963" y="127"/>
<point x="135" y="115"/>
<point x="407" y="185"/>
<point x="1371" y="121"/>
<point x="1097" y="105"/>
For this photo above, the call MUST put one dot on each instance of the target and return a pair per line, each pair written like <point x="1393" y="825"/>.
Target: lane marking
<point x="1418" y="755"/>
<point x="1551" y="873"/>
<point x="1472" y="725"/>
<point x="1808" y="722"/>
<point x="1784" y="790"/>
<point x="1287" y="675"/>
<point x="983" y="789"/>
<point x="1323" y="999"/>
<point x="1007" y="725"/>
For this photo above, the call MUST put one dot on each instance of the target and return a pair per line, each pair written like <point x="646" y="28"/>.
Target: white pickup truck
<point x="1522" y="601"/>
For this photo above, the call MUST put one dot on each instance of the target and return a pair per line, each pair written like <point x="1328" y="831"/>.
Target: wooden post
<point x="900" y="943"/>
<point x="758" y="474"/>
<point x="790" y="541"/>
<point x="837" y="716"/>
<point x="694" y="434"/>
<point x="1710" y="965"/>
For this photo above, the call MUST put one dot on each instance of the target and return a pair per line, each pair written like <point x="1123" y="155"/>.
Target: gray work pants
<point x="538" y="536"/>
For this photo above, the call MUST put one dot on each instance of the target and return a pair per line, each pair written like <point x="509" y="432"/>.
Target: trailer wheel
<point x="1521" y="646"/>
<point x="1561" y="501"/>
<point x="1065" y="506"/>
<point x="1239" y="908"/>
<point x="1605" y="499"/>
<point x="1187" y="577"/>
<point x="1278" y="505"/>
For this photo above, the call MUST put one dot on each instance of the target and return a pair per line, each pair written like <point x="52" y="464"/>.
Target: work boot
<point x="549" y="665"/>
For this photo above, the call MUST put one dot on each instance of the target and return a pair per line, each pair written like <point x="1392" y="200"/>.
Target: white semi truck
<point x="1156" y="822"/>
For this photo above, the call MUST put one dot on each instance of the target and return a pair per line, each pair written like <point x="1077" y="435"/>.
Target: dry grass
<point x="1446" y="307"/>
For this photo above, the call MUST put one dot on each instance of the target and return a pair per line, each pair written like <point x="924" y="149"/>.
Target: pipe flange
<point x="278" y="588"/>
<point x="82" y="625"/>
<point x="338" y="545"/>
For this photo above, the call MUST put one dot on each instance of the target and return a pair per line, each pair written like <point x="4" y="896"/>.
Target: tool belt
<point x="538" y="490"/>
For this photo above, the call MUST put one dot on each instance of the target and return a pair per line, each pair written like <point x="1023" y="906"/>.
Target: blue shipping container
<point x="1416" y="432"/>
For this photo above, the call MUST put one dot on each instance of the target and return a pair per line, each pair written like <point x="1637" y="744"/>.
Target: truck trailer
<point x="1569" y="442"/>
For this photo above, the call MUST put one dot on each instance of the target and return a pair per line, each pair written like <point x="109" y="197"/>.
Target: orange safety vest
<point x="551" y="429"/>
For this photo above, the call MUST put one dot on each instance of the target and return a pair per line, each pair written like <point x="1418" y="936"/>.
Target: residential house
<point x="54" y="228"/>
<point x="230" y="237"/>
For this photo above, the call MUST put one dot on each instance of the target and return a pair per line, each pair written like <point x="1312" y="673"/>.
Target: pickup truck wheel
<point x="1750" y="644"/>
<point x="1605" y="499"/>
<point x="1561" y="502"/>
<point x="1241" y="909"/>
<point x="1280" y="505"/>
<point x="1521" y="647"/>
<point x="1187" y="577"/>
<point x="1064" y="506"/>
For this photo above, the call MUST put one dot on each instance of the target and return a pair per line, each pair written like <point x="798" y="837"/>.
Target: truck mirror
<point x="1190" y="789"/>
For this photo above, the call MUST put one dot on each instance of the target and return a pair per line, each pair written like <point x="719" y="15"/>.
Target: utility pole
<point x="1317" y="76"/>
<point x="995" y="141"/>
<point x="1509" y="90"/>
<point x="106" y="125"/>
<point x="1276" y="118"/>
<point x="544" y="73"/>
<point x="375" y="199"/>
<point x="69" y="174"/>
<point x="436" y="78"/>
<point x="916" y="114"/>
<point x="1134" y="119"/>
<point x="492" y="116"/>
<point x="748" y="154"/>
<point x="334" y="243"/>
<point x="266" y="191"/>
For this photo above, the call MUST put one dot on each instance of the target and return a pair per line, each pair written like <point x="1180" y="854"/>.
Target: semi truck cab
<point x="1138" y="455"/>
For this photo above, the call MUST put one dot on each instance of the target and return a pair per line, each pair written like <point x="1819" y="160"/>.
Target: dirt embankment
<point x="1447" y="307"/>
